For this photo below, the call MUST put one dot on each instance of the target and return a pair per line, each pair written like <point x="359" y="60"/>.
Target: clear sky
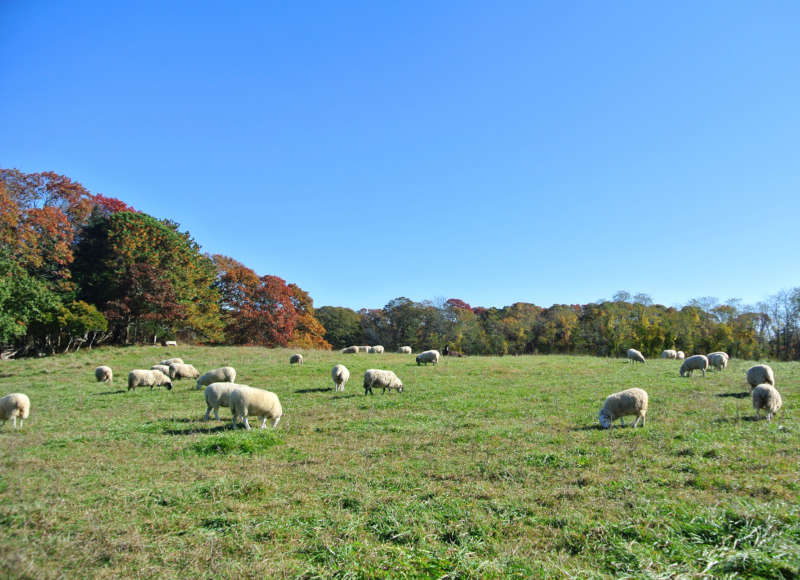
<point x="547" y="152"/>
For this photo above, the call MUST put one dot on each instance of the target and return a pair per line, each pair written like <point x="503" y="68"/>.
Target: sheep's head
<point x="400" y="388"/>
<point x="604" y="419"/>
<point x="168" y="384"/>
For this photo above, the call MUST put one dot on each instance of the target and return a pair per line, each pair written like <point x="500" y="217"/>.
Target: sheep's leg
<point x="14" y="421"/>
<point x="275" y="422"/>
<point x="216" y="413"/>
<point x="622" y="420"/>
<point x="769" y="418"/>
<point x="246" y="423"/>
<point x="758" y="413"/>
<point x="263" y="422"/>
<point x="21" y="420"/>
<point x="208" y="414"/>
<point x="636" y="422"/>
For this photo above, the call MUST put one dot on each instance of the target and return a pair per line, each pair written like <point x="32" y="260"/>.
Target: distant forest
<point x="79" y="269"/>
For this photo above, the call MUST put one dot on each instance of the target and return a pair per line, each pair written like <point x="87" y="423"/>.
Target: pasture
<point x="483" y="467"/>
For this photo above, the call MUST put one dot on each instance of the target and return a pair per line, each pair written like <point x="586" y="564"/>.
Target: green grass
<point x="483" y="467"/>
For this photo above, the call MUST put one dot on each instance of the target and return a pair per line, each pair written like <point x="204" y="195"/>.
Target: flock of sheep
<point x="221" y="390"/>
<point x="761" y="379"/>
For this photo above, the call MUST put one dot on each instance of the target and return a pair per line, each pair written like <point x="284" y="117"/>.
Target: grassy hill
<point x="483" y="467"/>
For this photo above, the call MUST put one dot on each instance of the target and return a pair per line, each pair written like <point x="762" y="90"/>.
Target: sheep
<point x="350" y="350"/>
<point x="296" y="359"/>
<point x="680" y="355"/>
<point x="180" y="371"/>
<point x="103" y="374"/>
<point x="447" y="351"/>
<point x="697" y="362"/>
<point x="380" y="378"/>
<point x="163" y="368"/>
<point x="635" y="356"/>
<point x="170" y="343"/>
<point x="13" y="406"/>
<point x="759" y="374"/>
<point x="429" y="356"/>
<point x="627" y="402"/>
<point x="169" y="361"/>
<point x="669" y="353"/>
<point x="246" y="400"/>
<point x="220" y="375"/>
<point x="767" y="397"/>
<point x="363" y="349"/>
<point x="718" y="360"/>
<point x="148" y="378"/>
<point x="404" y="350"/>
<point x="378" y="349"/>
<point x="218" y="395"/>
<point x="340" y="376"/>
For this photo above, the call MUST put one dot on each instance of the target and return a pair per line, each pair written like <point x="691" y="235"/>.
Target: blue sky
<point x="546" y="152"/>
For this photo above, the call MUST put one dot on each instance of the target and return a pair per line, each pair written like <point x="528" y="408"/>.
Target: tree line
<point x="79" y="269"/>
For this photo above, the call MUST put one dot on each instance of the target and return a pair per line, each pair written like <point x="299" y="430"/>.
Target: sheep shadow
<point x="343" y="396"/>
<point x="202" y="430"/>
<point x="112" y="392"/>
<point x="738" y="395"/>
<point x="315" y="390"/>
<point x="595" y="427"/>
<point x="745" y="418"/>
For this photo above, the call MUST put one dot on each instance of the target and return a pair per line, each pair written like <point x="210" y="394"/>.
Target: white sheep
<point x="258" y="402"/>
<point x="767" y="397"/>
<point x="680" y="355"/>
<point x="170" y="343"/>
<point x="218" y="395"/>
<point x="13" y="406"/>
<point x="379" y="378"/>
<point x="169" y="361"/>
<point x="103" y="374"/>
<point x="148" y="378"/>
<point x="363" y="349"/>
<point x="669" y="353"/>
<point x="296" y="359"/>
<point x="350" y="350"/>
<point x="340" y="376"/>
<point x="697" y="362"/>
<point x="429" y="356"/>
<point x="718" y="360"/>
<point x="377" y="349"/>
<point x="180" y="371"/>
<point x="627" y="402"/>
<point x="220" y="375"/>
<point x="163" y="368"/>
<point x="404" y="350"/>
<point x="759" y="374"/>
<point x="635" y="356"/>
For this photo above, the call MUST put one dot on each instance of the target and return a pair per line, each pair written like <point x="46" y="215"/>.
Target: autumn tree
<point x="308" y="332"/>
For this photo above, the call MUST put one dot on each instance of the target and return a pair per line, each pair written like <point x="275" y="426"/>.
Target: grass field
<point x="483" y="467"/>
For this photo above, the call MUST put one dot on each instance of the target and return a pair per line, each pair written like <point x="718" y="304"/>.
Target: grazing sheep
<point x="718" y="360"/>
<point x="246" y="400"/>
<point x="680" y="355"/>
<point x="404" y="350"/>
<point x="697" y="362"/>
<point x="296" y="359"/>
<point x="627" y="402"/>
<point x="669" y="353"/>
<point x="103" y="374"/>
<point x="340" y="376"/>
<point x="169" y="361"/>
<point x="180" y="371"/>
<point x="148" y="378"/>
<point x="163" y="368"/>
<point x="350" y="350"/>
<point x="766" y="397"/>
<point x="429" y="356"/>
<point x="635" y="356"/>
<point x="218" y="395"/>
<point x="379" y="378"/>
<point x="363" y="349"/>
<point x="220" y="375"/>
<point x="13" y="406"/>
<point x="170" y="343"/>
<point x="759" y="374"/>
<point x="378" y="349"/>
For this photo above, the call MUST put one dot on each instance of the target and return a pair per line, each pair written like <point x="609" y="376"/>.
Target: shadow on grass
<point x="738" y="395"/>
<point x="746" y="418"/>
<point x="181" y="420"/>
<point x="343" y="396"/>
<point x="595" y="427"/>
<point x="112" y="392"/>
<point x="317" y="390"/>
<point x="196" y="430"/>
